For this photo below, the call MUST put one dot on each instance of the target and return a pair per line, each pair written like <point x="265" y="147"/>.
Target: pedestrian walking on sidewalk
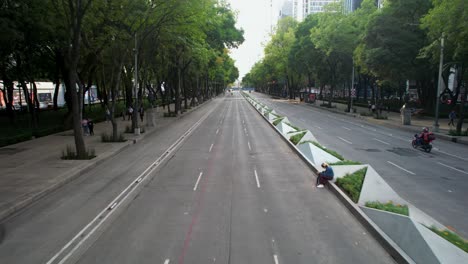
<point x="130" y="112"/>
<point x="324" y="176"/>
<point x="142" y="113"/>
<point x="91" y="126"/>
<point x="84" y="125"/>
<point x="452" y="117"/>
<point x="108" y="115"/>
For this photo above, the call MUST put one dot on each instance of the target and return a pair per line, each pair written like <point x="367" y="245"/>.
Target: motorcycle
<point x="419" y="142"/>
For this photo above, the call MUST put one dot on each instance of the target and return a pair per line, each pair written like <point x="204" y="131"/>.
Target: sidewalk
<point x="33" y="168"/>
<point x="394" y="121"/>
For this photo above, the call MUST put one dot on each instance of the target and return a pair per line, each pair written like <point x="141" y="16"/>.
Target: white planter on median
<point x="316" y="155"/>
<point x="285" y="128"/>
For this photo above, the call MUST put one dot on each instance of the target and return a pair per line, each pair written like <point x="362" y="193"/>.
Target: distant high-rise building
<point x="351" y="5"/>
<point x="297" y="10"/>
<point x="316" y="6"/>
<point x="303" y="8"/>
<point x="287" y="9"/>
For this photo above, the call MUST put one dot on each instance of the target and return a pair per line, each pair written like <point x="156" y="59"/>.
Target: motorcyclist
<point x="424" y="136"/>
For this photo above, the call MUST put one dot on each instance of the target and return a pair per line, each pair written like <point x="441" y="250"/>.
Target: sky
<point x="255" y="17"/>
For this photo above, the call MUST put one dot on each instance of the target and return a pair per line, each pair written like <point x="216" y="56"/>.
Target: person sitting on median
<point x="324" y="176"/>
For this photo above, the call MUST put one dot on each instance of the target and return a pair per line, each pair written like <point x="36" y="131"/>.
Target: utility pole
<point x="135" y="116"/>
<point x="439" y="84"/>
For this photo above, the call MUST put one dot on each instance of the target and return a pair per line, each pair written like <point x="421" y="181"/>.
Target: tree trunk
<point x="8" y="89"/>
<point x="177" y="92"/>
<point x="36" y="100"/>
<point x="73" y="54"/>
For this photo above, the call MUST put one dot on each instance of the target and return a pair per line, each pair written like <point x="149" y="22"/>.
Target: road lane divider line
<point x="275" y="258"/>
<point x="167" y="261"/>
<point x="347" y="141"/>
<point x="211" y="147"/>
<point x="217" y="131"/>
<point x="386" y="143"/>
<point x="248" y="143"/>
<point x="67" y="250"/>
<point x="198" y="180"/>
<point x="256" y="178"/>
<point x="455" y="169"/>
<point x="403" y="169"/>
<point x="455" y="156"/>
<point x="318" y="127"/>
<point x="347" y="128"/>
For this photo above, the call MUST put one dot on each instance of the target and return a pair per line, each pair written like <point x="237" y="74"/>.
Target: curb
<point x="75" y="173"/>
<point x="386" y="242"/>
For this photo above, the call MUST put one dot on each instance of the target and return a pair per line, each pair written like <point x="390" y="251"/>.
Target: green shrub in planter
<point x="452" y="238"/>
<point x="346" y="162"/>
<point x="277" y="121"/>
<point x="296" y="138"/>
<point x="106" y="138"/>
<point x="389" y="207"/>
<point x="351" y="184"/>
<point x="70" y="154"/>
<point x="453" y="132"/>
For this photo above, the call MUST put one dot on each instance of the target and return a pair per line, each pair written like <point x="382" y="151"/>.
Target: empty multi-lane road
<point x="218" y="186"/>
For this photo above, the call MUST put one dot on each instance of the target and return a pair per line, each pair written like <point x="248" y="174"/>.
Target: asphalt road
<point x="436" y="183"/>
<point x="231" y="192"/>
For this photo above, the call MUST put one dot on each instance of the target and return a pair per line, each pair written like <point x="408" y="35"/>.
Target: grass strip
<point x="351" y="184"/>
<point x="389" y="207"/>
<point x="278" y="120"/>
<point x="346" y="162"/>
<point x="452" y="238"/>
<point x="296" y="138"/>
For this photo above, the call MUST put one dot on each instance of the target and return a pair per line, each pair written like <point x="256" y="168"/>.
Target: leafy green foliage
<point x="277" y="121"/>
<point x="389" y="207"/>
<point x="296" y="138"/>
<point x="346" y="162"/>
<point x="351" y="184"/>
<point x="453" y="132"/>
<point x="452" y="238"/>
<point x="70" y="154"/>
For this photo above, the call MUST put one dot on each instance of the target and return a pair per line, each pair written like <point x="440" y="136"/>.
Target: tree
<point x="392" y="41"/>
<point x="277" y="52"/>
<point x="448" y="19"/>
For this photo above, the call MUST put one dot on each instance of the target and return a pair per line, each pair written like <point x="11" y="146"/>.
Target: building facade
<point x="302" y="8"/>
<point x="351" y="5"/>
<point x="286" y="9"/>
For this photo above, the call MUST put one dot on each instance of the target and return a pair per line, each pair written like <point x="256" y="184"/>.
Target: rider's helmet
<point x="425" y="129"/>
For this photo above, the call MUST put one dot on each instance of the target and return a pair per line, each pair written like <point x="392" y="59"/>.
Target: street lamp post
<point x="439" y="84"/>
